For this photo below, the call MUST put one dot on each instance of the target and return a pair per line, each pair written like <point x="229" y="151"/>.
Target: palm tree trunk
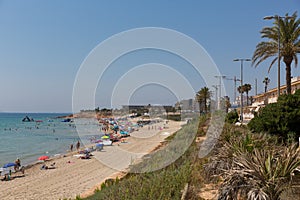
<point x="288" y="79"/>
<point x="247" y="98"/>
<point x="288" y="62"/>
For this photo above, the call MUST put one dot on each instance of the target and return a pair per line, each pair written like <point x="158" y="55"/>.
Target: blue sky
<point x="43" y="43"/>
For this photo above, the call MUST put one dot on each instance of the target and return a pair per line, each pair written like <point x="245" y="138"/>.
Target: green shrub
<point x="232" y="117"/>
<point x="174" y="117"/>
<point x="281" y="118"/>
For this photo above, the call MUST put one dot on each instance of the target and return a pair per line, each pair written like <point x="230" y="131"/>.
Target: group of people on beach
<point x="77" y="146"/>
<point x="17" y="167"/>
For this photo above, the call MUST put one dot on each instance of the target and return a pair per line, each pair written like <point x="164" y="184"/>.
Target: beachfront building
<point x="271" y="96"/>
<point x="147" y="109"/>
<point x="237" y="100"/>
<point x="188" y="105"/>
<point x="268" y="97"/>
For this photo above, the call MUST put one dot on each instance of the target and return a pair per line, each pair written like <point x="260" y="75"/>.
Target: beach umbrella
<point x="43" y="158"/>
<point x="105" y="137"/>
<point x="9" y="165"/>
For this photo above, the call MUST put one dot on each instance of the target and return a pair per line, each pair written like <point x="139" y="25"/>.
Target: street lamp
<point x="242" y="60"/>
<point x="219" y="99"/>
<point x="278" y="17"/>
<point x="234" y="89"/>
<point x="216" y="88"/>
<point x="266" y="81"/>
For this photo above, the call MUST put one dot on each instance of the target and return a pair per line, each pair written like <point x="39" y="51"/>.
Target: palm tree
<point x="227" y="103"/>
<point x="199" y="100"/>
<point x="266" y="81"/>
<point x="241" y="90"/>
<point x="289" y="30"/>
<point x="247" y="88"/>
<point x="202" y="97"/>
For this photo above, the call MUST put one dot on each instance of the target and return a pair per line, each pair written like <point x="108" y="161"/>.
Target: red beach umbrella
<point x="43" y="158"/>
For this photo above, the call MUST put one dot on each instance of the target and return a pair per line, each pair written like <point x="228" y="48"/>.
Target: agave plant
<point x="262" y="174"/>
<point x="232" y="143"/>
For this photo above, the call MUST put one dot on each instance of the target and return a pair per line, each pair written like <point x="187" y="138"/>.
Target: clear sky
<point x="43" y="43"/>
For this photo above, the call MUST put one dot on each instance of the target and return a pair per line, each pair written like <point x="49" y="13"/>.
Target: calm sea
<point x="30" y="140"/>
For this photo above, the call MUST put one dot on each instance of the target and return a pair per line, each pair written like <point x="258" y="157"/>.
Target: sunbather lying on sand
<point x="52" y="166"/>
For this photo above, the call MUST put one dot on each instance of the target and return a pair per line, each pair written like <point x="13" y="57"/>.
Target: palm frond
<point x="289" y="31"/>
<point x="272" y="63"/>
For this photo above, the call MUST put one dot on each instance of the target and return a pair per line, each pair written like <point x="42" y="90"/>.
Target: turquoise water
<point x="30" y="140"/>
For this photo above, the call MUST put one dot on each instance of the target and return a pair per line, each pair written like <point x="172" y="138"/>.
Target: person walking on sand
<point x="71" y="147"/>
<point x="78" y="145"/>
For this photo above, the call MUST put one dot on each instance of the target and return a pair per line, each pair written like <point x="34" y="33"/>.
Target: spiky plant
<point x="263" y="174"/>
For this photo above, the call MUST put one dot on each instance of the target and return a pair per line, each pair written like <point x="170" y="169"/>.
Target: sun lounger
<point x="99" y="147"/>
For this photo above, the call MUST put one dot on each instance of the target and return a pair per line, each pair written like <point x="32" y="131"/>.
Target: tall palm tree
<point x="227" y="103"/>
<point x="247" y="88"/>
<point x="289" y="29"/>
<point x="202" y="97"/>
<point x="199" y="99"/>
<point x="241" y="90"/>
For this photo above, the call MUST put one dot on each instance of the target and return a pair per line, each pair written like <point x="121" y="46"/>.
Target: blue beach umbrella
<point x="9" y="165"/>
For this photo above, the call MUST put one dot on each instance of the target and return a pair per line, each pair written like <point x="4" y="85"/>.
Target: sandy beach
<point x="73" y="176"/>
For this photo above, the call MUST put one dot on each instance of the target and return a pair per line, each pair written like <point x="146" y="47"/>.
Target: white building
<point x="271" y="96"/>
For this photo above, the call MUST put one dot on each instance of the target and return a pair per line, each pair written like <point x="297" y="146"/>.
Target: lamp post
<point x="278" y="17"/>
<point x="242" y="60"/>
<point x="219" y="99"/>
<point x="266" y="81"/>
<point x="216" y="88"/>
<point x="234" y="89"/>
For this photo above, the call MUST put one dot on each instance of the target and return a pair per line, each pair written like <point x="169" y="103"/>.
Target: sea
<point x="46" y="135"/>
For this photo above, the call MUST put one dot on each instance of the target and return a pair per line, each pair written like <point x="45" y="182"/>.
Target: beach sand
<point x="73" y="176"/>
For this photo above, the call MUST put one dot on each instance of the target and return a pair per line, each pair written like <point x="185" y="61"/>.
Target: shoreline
<point x="29" y="140"/>
<point x="121" y="174"/>
<point x="73" y="176"/>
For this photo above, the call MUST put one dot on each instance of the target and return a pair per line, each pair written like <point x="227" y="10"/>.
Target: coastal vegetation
<point x="252" y="166"/>
<point x="245" y="88"/>
<point x="280" y="119"/>
<point x="232" y="117"/>
<point x="203" y="97"/>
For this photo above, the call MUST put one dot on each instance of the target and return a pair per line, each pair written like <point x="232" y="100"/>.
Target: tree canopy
<point x="202" y="97"/>
<point x="288" y="29"/>
<point x="281" y="118"/>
